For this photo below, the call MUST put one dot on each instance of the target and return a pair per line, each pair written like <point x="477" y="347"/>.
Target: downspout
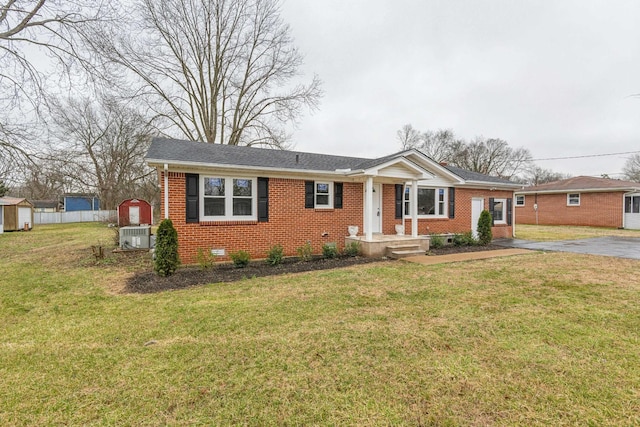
<point x="166" y="191"/>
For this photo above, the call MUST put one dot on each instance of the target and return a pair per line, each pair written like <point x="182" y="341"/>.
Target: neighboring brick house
<point x="582" y="200"/>
<point x="226" y="198"/>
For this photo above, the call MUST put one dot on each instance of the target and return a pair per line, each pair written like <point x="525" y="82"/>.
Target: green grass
<point x="565" y="232"/>
<point x="537" y="339"/>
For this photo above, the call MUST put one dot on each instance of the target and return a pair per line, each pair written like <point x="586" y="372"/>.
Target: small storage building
<point x="17" y="215"/>
<point x="134" y="212"/>
<point x="1" y="217"/>
<point x="80" y="202"/>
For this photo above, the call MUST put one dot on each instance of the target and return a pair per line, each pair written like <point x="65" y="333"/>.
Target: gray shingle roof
<point x="475" y="176"/>
<point x="174" y="150"/>
<point x="163" y="149"/>
<point x="584" y="183"/>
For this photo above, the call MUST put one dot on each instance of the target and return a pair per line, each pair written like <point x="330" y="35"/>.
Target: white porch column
<point x="368" y="209"/>
<point x="414" y="208"/>
<point x="166" y="191"/>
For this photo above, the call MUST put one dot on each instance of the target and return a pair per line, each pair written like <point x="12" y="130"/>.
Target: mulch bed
<point x="148" y="282"/>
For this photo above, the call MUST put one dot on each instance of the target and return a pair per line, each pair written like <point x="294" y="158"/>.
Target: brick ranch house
<point x="226" y="198"/>
<point x="582" y="200"/>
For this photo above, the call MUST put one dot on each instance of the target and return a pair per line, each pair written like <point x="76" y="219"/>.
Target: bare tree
<point x="102" y="147"/>
<point x="491" y="156"/>
<point x="535" y="175"/>
<point x="409" y="137"/>
<point x="219" y="71"/>
<point x="632" y="168"/>
<point x="29" y="30"/>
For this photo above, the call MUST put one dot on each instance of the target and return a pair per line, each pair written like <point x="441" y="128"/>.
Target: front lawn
<point x="539" y="339"/>
<point x="543" y="233"/>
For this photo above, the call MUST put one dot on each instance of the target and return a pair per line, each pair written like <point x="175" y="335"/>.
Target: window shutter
<point x="192" y="191"/>
<point x="263" y="199"/>
<point x="337" y="195"/>
<point x="491" y="203"/>
<point x="308" y="194"/>
<point x="399" y="200"/>
<point x="452" y="202"/>
<point x="509" y="211"/>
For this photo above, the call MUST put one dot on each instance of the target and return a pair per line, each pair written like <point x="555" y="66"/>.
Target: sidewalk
<point x="465" y="256"/>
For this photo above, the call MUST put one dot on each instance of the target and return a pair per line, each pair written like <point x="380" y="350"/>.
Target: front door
<point x="477" y="205"/>
<point x="377" y="209"/>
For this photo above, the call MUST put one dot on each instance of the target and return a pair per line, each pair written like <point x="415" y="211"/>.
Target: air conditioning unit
<point x="135" y="237"/>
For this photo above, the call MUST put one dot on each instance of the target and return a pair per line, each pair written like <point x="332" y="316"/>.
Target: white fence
<point x="77" y="216"/>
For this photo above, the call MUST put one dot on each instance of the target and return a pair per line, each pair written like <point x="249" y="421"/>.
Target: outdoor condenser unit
<point x="135" y="237"/>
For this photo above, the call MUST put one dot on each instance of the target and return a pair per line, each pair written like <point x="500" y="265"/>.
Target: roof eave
<point x="580" y="190"/>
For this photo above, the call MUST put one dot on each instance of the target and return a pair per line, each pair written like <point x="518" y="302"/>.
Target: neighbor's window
<point x="573" y="199"/>
<point x="323" y="194"/>
<point x="431" y="201"/>
<point x="520" y="200"/>
<point x="225" y="198"/>
<point x="499" y="207"/>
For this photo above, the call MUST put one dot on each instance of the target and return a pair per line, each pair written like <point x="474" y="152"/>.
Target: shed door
<point x="134" y="215"/>
<point x="24" y="217"/>
<point x="1" y="219"/>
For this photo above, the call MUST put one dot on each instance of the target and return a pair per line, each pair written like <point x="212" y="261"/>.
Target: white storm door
<point x="477" y="205"/>
<point x="376" y="227"/>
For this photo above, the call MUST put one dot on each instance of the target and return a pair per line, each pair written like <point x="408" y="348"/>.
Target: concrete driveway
<point x="621" y="247"/>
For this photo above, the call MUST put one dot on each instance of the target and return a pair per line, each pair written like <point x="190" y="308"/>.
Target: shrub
<point x="352" y="249"/>
<point x="205" y="258"/>
<point x="329" y="250"/>
<point x="305" y="251"/>
<point x="484" y="228"/>
<point x="275" y="255"/>
<point x="464" y="239"/>
<point x="436" y="241"/>
<point x="240" y="259"/>
<point x="166" y="250"/>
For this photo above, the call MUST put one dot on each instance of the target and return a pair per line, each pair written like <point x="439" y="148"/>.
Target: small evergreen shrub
<point x="305" y="251"/>
<point x="240" y="258"/>
<point x="464" y="239"/>
<point x="166" y="250"/>
<point x="275" y="255"/>
<point x="352" y="249"/>
<point x="484" y="228"/>
<point x="205" y="259"/>
<point x="436" y="241"/>
<point x="329" y="250"/>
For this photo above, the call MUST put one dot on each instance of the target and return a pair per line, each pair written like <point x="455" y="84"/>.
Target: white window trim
<point x="330" y="185"/>
<point x="228" y="199"/>
<point x="504" y="210"/>
<point x="523" y="200"/>
<point x="445" y="205"/>
<point x="573" y="204"/>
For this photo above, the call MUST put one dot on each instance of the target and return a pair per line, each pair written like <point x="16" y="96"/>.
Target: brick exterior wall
<point x="596" y="209"/>
<point x="461" y="223"/>
<point x="292" y="225"/>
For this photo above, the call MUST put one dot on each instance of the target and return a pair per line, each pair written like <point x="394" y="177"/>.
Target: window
<point x="520" y="200"/>
<point x="226" y="198"/>
<point x="499" y="206"/>
<point x="431" y="201"/>
<point x="632" y="204"/>
<point x="323" y="195"/>
<point x="573" y="199"/>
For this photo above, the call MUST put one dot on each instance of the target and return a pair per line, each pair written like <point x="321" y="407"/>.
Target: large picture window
<point x="225" y="198"/>
<point x="431" y="201"/>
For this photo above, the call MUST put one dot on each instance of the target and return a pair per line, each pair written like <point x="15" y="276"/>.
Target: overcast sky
<point x="551" y="76"/>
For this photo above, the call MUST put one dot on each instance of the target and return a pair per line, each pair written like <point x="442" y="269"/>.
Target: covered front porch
<point x="392" y="246"/>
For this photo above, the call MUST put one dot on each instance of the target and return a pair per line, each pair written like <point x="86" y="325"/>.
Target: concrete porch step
<point x="402" y="251"/>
